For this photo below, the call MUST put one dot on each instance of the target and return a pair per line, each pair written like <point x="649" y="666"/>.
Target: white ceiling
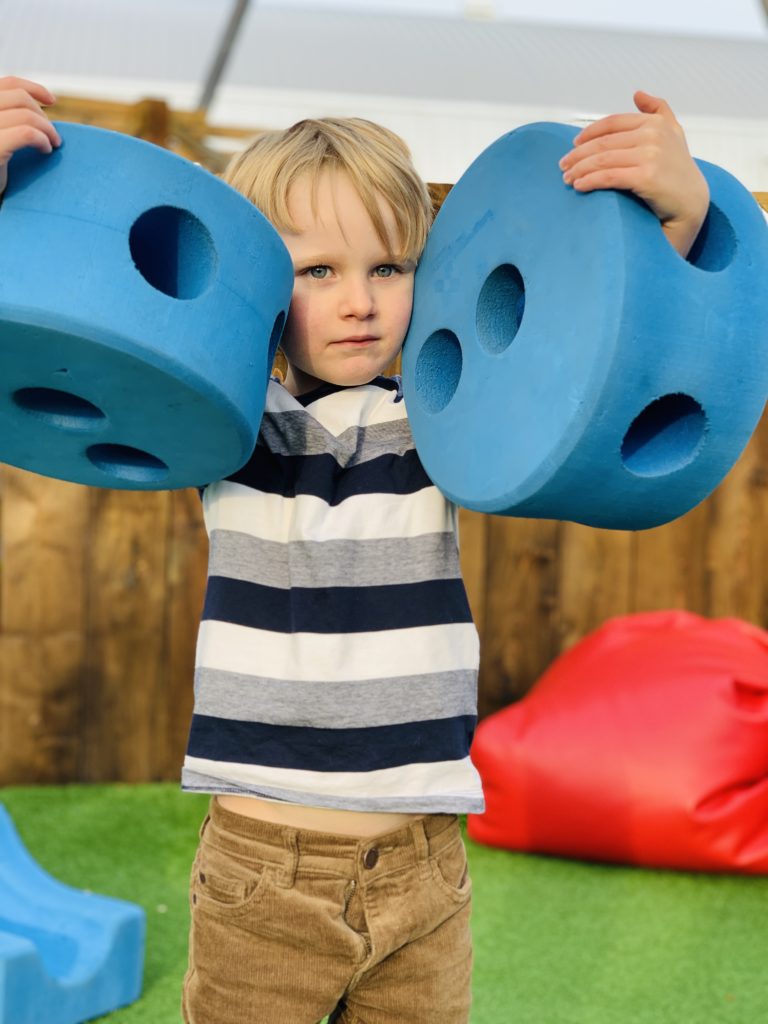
<point x="407" y="56"/>
<point x="745" y="18"/>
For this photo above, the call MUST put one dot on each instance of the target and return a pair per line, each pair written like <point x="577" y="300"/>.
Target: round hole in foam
<point x="500" y="308"/>
<point x="715" y="245"/>
<point x="123" y="462"/>
<point x="173" y="251"/>
<point x="59" y="409"/>
<point x="665" y="437"/>
<point x="438" y="370"/>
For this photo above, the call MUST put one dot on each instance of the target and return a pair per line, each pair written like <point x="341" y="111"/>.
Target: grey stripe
<point x="334" y="563"/>
<point x="447" y="803"/>
<point x="335" y="705"/>
<point x="287" y="433"/>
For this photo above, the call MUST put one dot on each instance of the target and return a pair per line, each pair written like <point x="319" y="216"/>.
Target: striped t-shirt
<point x="337" y="658"/>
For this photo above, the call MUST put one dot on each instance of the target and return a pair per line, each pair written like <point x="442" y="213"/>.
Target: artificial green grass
<point x="556" y="942"/>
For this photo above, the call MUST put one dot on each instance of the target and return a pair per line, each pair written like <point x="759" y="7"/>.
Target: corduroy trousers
<point x="289" y="925"/>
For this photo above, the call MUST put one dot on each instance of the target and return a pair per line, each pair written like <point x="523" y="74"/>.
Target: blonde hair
<point x="377" y="162"/>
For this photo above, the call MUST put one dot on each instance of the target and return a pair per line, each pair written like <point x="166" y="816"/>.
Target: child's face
<point x="351" y="304"/>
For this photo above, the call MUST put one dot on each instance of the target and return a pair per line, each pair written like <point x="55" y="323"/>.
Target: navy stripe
<point x="331" y="750"/>
<point x="323" y="477"/>
<point x="336" y="609"/>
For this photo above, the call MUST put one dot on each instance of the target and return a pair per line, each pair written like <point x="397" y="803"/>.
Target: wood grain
<point x="126" y="682"/>
<point x="43" y="622"/>
<point x="519" y="636"/>
<point x="186" y="564"/>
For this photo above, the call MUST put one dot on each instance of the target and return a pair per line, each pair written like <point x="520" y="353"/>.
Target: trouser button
<point x="371" y="858"/>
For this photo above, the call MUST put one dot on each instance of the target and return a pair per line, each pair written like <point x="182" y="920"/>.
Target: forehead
<point x="328" y="213"/>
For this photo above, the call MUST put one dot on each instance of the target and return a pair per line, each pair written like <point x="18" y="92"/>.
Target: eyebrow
<point x="324" y="259"/>
<point x="315" y="261"/>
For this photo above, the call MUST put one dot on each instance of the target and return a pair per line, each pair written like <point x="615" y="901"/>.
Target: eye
<point x="386" y="270"/>
<point x="319" y="273"/>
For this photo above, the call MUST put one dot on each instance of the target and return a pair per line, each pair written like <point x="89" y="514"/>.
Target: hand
<point x="647" y="154"/>
<point x="22" y="121"/>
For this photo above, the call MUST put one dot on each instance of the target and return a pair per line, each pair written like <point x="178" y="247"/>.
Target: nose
<point x="357" y="301"/>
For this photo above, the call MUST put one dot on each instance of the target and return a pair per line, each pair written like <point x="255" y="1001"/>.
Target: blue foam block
<point x="141" y="302"/>
<point x="564" y="362"/>
<point x="66" y="956"/>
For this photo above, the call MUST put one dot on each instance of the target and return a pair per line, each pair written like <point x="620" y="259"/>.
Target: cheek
<point x="296" y="328"/>
<point x="404" y="308"/>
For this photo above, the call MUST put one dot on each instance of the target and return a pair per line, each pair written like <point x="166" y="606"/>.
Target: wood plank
<point x="520" y="609"/>
<point x="40" y="707"/>
<point x="42" y="624"/>
<point x="670" y="570"/>
<point x="126" y="637"/>
<point x="736" y="551"/>
<point x="595" y="572"/>
<point x="473" y="551"/>
<point x="42" y="544"/>
<point x="186" y="574"/>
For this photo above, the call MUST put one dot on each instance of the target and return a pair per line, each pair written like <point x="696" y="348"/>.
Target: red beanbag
<point x="645" y="743"/>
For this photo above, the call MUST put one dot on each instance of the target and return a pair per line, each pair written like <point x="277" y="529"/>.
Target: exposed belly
<point x="318" y="819"/>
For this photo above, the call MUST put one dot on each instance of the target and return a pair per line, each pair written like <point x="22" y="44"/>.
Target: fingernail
<point x="567" y="178"/>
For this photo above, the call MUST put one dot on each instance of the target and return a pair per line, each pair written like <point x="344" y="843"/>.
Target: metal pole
<point x="222" y="56"/>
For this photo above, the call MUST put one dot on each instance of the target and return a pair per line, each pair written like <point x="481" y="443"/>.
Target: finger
<point x="609" y="126"/>
<point x="35" y="89"/>
<point x="19" y="116"/>
<point x="619" y="158"/>
<point x="10" y="99"/>
<point x="649" y="104"/>
<point x="14" y="139"/>
<point x="627" y="179"/>
<point x="604" y="144"/>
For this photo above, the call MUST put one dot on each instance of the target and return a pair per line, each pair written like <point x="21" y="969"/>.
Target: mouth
<point x="357" y="339"/>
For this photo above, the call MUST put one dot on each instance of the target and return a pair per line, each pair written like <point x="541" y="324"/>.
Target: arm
<point x="22" y="121"/>
<point x="644" y="153"/>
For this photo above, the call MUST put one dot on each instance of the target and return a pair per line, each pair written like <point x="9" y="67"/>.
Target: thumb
<point x="648" y="104"/>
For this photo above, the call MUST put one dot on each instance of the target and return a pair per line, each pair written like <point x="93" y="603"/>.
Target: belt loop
<point x="421" y="845"/>
<point x="288" y="870"/>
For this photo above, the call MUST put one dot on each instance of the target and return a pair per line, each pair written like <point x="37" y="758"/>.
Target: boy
<point x="336" y="666"/>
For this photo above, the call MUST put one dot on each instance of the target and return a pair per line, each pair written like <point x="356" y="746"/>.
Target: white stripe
<point x="342" y="657"/>
<point x="441" y="778"/>
<point x="232" y="506"/>
<point x="361" y="406"/>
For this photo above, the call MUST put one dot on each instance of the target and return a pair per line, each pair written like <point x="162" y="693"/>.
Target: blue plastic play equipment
<point x="141" y="303"/>
<point x="564" y="362"/>
<point x="65" y="956"/>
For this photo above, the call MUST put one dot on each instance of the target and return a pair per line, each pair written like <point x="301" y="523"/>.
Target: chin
<point x="351" y="378"/>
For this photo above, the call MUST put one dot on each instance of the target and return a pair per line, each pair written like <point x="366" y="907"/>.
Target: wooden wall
<point x="100" y="594"/>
